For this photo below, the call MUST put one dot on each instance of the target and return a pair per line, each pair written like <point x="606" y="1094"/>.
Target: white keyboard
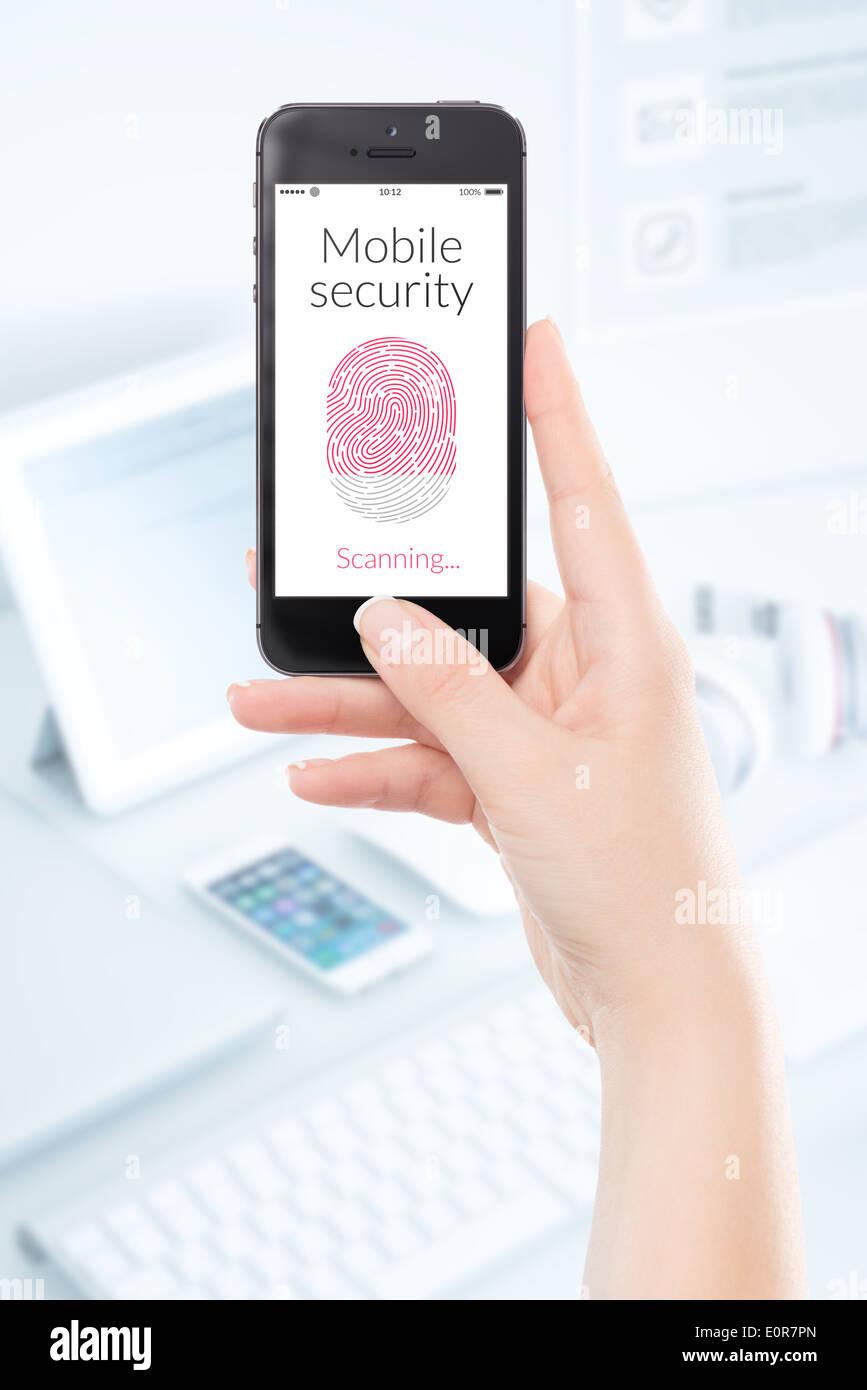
<point x="397" y="1185"/>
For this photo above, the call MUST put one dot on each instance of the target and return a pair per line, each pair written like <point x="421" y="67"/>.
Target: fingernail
<point x="387" y="627"/>
<point x="305" y="764"/>
<point x="554" y="326"/>
<point x="243" y="685"/>
<point x="368" y="603"/>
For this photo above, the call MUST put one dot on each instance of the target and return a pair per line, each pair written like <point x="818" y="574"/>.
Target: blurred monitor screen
<point x="721" y="211"/>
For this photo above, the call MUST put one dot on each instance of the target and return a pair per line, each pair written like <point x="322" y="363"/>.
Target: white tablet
<point x="125" y="512"/>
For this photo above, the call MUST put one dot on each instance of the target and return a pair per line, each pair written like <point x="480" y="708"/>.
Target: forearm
<point x="698" y="1191"/>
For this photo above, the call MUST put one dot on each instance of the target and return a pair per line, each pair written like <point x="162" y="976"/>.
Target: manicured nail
<point x="388" y="628"/>
<point x="368" y="603"/>
<point x="305" y="764"/>
<point x="244" y="685"/>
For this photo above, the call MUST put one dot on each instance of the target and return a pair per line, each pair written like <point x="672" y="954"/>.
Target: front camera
<point x="391" y="130"/>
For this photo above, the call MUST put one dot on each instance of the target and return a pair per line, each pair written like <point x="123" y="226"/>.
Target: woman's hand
<point x="584" y="768"/>
<point x="586" y="771"/>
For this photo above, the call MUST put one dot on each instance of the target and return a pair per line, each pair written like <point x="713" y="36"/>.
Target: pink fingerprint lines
<point x="391" y="429"/>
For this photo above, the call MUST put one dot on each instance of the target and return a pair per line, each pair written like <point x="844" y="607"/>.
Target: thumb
<point x="448" y="685"/>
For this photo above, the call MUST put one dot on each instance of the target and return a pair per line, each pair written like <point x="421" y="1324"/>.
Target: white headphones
<point x="775" y="678"/>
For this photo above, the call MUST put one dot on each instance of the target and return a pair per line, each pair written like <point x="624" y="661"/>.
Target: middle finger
<point x="352" y="705"/>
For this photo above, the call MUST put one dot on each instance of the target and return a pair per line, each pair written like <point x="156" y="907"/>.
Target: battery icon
<point x="493" y="192"/>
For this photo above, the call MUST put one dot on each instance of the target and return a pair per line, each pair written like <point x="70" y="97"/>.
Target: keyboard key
<point x="136" y="1233"/>
<point x="497" y="1140"/>
<point x="388" y="1199"/>
<point x="235" y="1241"/>
<point x="302" y="1162"/>
<point x="470" y="1247"/>
<point x="363" y="1095"/>
<point x="273" y="1265"/>
<point x="255" y="1170"/>
<point x="462" y="1159"/>
<point x="472" y="1195"/>
<point x="311" y="1197"/>
<point x="377" y="1120"/>
<point x="232" y="1282"/>
<point x="285" y="1138"/>
<point x="509" y="1177"/>
<point x="100" y="1257"/>
<point x="399" y="1238"/>
<point x="424" y="1139"/>
<point x="386" y="1158"/>
<point x="323" y="1281"/>
<point x="584" y="1178"/>
<point x="311" y="1241"/>
<point x="449" y="1084"/>
<point x="349" y="1178"/>
<point x="325" y="1113"/>
<point x="216" y="1189"/>
<point x="339" y="1140"/>
<point x="459" y="1118"/>
<point x="154" y="1282"/>
<point x="436" y="1216"/>
<point x="483" y="1064"/>
<point x="273" y="1219"/>
<point x="474" y="1037"/>
<point x="399" y="1075"/>
<point x="176" y="1211"/>
<point x="361" y="1260"/>
<point x="194" y="1261"/>
<point x="436" y="1057"/>
<point x="411" y="1103"/>
<point x="350" y="1220"/>
<point x="509" y="1018"/>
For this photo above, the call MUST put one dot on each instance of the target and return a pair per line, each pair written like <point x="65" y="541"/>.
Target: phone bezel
<point x="307" y="143"/>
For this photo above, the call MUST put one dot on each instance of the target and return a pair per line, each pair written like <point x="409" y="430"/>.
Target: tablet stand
<point x="49" y="746"/>
<point x="50" y="757"/>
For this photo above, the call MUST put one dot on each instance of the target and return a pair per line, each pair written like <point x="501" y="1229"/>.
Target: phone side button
<point x="254" y="294"/>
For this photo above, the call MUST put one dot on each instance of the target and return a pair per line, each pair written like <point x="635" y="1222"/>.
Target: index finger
<point x="597" y="552"/>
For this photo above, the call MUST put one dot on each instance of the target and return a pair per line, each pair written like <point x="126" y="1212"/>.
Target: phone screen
<point x="308" y="910"/>
<point x="390" y="399"/>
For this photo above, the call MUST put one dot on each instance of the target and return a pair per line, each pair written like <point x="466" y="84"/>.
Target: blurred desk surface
<point x="154" y="844"/>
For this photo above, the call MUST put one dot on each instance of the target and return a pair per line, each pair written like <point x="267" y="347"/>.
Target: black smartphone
<point x="390" y="306"/>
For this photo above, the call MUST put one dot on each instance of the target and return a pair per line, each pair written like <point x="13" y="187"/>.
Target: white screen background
<point x="468" y="527"/>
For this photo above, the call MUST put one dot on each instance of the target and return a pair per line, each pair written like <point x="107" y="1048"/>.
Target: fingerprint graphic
<point x="391" y="429"/>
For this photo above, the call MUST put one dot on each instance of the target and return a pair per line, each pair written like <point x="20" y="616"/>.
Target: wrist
<point x="696" y="1155"/>
<point x="703" y="997"/>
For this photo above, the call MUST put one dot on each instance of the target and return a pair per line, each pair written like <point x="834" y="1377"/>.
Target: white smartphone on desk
<point x="294" y="901"/>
